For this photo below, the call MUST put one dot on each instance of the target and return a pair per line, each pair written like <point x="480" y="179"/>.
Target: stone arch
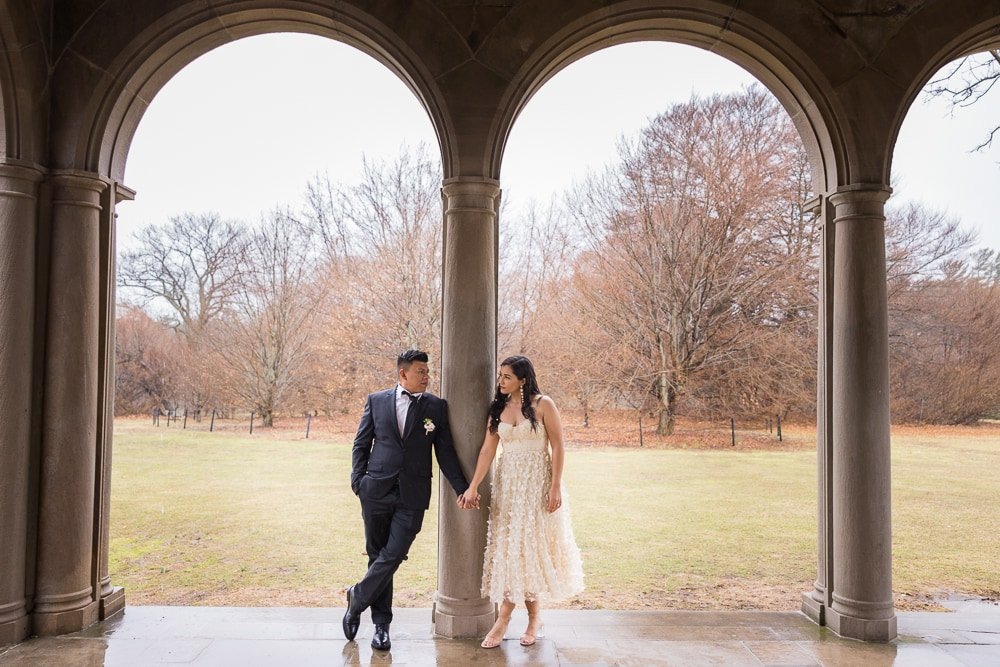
<point x="8" y="117"/>
<point x="784" y="69"/>
<point x="156" y="54"/>
<point x="980" y="37"/>
<point x="22" y="75"/>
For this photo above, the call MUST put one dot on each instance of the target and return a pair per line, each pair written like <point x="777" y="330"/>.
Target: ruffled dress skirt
<point x="530" y="553"/>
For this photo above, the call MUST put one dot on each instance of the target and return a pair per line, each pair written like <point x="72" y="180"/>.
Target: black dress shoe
<point x="352" y="619"/>
<point x="380" y="640"/>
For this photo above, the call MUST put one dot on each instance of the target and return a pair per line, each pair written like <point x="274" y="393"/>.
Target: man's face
<point x="415" y="378"/>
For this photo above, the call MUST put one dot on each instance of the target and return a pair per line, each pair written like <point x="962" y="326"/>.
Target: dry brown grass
<point x="194" y="515"/>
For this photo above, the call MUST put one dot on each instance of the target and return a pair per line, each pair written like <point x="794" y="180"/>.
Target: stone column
<point x="816" y="602"/>
<point x="468" y="350"/>
<point x="18" y="221"/>
<point x="65" y="588"/>
<point x="861" y="606"/>
<point x="112" y="598"/>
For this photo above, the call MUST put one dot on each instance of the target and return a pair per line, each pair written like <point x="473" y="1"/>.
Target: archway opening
<point x="277" y="177"/>
<point x="943" y="249"/>
<point x="590" y="299"/>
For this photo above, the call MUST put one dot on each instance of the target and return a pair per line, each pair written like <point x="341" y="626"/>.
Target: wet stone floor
<point x="222" y="636"/>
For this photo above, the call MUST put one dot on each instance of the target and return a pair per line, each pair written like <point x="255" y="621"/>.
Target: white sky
<point x="243" y="128"/>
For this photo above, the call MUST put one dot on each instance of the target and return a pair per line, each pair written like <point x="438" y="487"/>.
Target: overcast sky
<point x="244" y="127"/>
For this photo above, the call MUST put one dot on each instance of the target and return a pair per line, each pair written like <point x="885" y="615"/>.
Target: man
<point x="391" y="474"/>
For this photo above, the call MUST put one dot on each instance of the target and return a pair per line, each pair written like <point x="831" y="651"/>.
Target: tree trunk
<point x="666" y="424"/>
<point x="666" y="396"/>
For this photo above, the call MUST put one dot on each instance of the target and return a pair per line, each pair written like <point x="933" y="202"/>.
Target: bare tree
<point x="965" y="82"/>
<point x="944" y="308"/>
<point x="538" y="311"/>
<point x="920" y="242"/>
<point x="946" y="349"/>
<point x="682" y="234"/>
<point x="146" y="369"/>
<point x="191" y="264"/>
<point x="986" y="266"/>
<point x="537" y="249"/>
<point x="382" y="244"/>
<point x="265" y="340"/>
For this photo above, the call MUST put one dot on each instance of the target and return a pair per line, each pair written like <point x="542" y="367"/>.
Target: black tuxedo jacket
<point x="381" y="455"/>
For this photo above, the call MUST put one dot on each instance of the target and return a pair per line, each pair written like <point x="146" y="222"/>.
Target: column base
<point x="12" y="632"/>
<point x="814" y="609"/>
<point x="463" y="627"/>
<point x="112" y="603"/>
<point x="61" y="622"/>
<point x="462" y="619"/>
<point x="865" y="629"/>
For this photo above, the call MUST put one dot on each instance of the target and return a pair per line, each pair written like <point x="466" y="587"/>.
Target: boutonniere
<point x="429" y="425"/>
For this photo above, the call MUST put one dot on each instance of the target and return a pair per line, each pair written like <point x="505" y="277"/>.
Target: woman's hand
<point x="469" y="500"/>
<point x="554" y="501"/>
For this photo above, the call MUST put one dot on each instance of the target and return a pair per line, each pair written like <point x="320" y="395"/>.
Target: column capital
<point x="860" y="200"/>
<point x="21" y="172"/>
<point x="478" y="194"/>
<point x="19" y="181"/>
<point x="80" y="180"/>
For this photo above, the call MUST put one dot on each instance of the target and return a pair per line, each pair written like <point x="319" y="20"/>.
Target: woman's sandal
<point x="528" y="639"/>
<point x="491" y="640"/>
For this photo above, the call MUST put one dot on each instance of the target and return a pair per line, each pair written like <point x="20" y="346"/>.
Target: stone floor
<point x="302" y="637"/>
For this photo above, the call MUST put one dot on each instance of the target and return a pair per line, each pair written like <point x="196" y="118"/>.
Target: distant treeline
<point x="681" y="280"/>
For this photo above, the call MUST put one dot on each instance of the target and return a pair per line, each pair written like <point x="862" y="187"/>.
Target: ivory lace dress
<point x="530" y="553"/>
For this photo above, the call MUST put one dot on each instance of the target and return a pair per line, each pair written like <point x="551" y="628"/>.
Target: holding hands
<point x="469" y="500"/>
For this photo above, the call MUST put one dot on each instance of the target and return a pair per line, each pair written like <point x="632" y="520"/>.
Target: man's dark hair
<point x="407" y="358"/>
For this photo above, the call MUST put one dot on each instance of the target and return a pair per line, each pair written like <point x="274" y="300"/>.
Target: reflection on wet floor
<point x="297" y="636"/>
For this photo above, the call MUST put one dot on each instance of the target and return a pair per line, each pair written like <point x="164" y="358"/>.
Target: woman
<point x="531" y="555"/>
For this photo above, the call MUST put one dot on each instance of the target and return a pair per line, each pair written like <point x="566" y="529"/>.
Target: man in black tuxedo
<point x="391" y="474"/>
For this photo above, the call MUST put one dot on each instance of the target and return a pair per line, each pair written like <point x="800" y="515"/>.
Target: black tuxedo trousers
<point x="390" y="530"/>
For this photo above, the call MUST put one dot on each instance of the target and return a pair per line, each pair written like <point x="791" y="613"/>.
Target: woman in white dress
<point x="531" y="555"/>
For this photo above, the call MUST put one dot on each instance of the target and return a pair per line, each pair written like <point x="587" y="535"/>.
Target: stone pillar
<point x="861" y="600"/>
<point x="112" y="598"/>
<point x="65" y="587"/>
<point x="468" y="350"/>
<point x="18" y="221"/>
<point x="816" y="602"/>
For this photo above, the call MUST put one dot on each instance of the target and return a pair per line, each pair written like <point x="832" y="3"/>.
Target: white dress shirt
<point x="402" y="406"/>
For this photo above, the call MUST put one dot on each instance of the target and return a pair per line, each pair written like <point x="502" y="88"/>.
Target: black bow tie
<point x="413" y="397"/>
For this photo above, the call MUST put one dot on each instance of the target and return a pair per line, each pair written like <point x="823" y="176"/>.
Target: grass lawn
<point x="226" y="518"/>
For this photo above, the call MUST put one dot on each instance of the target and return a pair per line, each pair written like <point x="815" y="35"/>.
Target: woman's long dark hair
<point x="522" y="368"/>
